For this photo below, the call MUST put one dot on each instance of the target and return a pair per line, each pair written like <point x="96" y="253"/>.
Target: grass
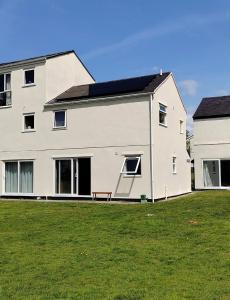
<point x="171" y="250"/>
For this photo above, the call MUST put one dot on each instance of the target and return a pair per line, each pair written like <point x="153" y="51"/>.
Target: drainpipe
<point x="151" y="145"/>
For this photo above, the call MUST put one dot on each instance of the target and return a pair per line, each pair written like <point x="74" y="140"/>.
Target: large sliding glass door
<point x="216" y="173"/>
<point x="19" y="177"/>
<point x="73" y="176"/>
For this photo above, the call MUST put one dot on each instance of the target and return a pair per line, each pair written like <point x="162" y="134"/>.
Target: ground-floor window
<point x="73" y="176"/>
<point x="19" y="177"/>
<point x="216" y="173"/>
<point x="131" y="165"/>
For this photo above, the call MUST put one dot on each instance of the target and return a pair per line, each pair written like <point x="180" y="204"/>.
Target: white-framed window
<point x="174" y="170"/>
<point x="181" y="127"/>
<point x="19" y="177"/>
<point x="5" y="89"/>
<point x="29" y="122"/>
<point x="131" y="165"/>
<point x="60" y="119"/>
<point x="29" y="77"/>
<point x="162" y="114"/>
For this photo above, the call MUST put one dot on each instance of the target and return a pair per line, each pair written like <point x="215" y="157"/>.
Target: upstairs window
<point x="131" y="165"/>
<point x="5" y="89"/>
<point x="162" y="114"/>
<point x="60" y="119"/>
<point x="29" y="122"/>
<point x="29" y="77"/>
<point x="181" y="127"/>
<point x="174" y="164"/>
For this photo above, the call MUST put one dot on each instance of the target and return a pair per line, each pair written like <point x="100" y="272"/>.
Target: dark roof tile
<point x="141" y="84"/>
<point x="213" y="107"/>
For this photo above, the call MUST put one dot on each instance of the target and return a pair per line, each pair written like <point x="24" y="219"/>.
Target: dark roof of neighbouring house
<point x="136" y="85"/>
<point x="47" y="56"/>
<point x="213" y="107"/>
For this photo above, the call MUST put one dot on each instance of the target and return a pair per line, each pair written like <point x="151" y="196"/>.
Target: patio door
<point x="211" y="173"/>
<point x="73" y="176"/>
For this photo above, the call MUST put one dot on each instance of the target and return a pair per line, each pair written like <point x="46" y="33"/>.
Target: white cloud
<point x="189" y="87"/>
<point x="190" y="22"/>
<point x="223" y="92"/>
<point x="190" y="113"/>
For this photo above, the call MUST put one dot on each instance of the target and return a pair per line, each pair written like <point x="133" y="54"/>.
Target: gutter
<point x="151" y="145"/>
<point x="89" y="100"/>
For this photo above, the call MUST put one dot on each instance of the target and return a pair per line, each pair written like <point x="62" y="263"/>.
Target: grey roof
<point x="213" y="107"/>
<point x="135" y="85"/>
<point x="47" y="56"/>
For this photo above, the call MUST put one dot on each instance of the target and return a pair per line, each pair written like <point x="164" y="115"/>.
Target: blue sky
<point x="118" y="39"/>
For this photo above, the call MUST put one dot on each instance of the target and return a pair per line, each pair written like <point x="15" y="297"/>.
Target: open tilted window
<point x="162" y="114"/>
<point x="131" y="165"/>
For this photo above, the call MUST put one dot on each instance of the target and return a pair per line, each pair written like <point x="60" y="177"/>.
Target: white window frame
<point x="5" y="90"/>
<point x="4" y="177"/>
<point x="54" y="120"/>
<point x="32" y="83"/>
<point x="163" y="112"/>
<point x="174" y="165"/>
<point x="181" y="126"/>
<point x="123" y="168"/>
<point x="73" y="159"/>
<point x="24" y="129"/>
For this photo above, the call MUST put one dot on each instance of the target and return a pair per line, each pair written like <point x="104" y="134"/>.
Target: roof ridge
<point x="45" y="56"/>
<point x="215" y="97"/>
<point x="135" y="77"/>
<point x="121" y="79"/>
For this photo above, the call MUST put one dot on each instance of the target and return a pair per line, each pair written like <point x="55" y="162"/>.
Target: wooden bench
<point x="109" y="194"/>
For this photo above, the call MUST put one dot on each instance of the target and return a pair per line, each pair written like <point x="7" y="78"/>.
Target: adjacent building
<point x="63" y="135"/>
<point x="211" y="143"/>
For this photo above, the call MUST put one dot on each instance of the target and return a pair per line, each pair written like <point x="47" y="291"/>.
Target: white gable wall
<point x="169" y="142"/>
<point x="67" y="71"/>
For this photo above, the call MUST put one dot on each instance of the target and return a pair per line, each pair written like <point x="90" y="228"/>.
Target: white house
<point x="63" y="135"/>
<point x="211" y="144"/>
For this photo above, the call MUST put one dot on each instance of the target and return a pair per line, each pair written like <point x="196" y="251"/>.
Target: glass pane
<point x="65" y="176"/>
<point x="3" y="97"/>
<point x="8" y="85"/>
<point x="29" y="122"/>
<point x="2" y="83"/>
<point x="162" y="118"/>
<point x="11" y="177"/>
<point x="8" y="98"/>
<point x="26" y="177"/>
<point x="75" y="175"/>
<point x="57" y="183"/>
<point x="59" y="119"/>
<point x="225" y="172"/>
<point x="211" y="173"/>
<point x="29" y="76"/>
<point x="162" y="108"/>
<point x="131" y="164"/>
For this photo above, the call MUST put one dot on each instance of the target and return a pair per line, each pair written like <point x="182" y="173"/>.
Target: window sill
<point x="28" y="85"/>
<point x="6" y="106"/>
<point x="163" y="125"/>
<point x="131" y="176"/>
<point x="29" y="130"/>
<point x="18" y="194"/>
<point x="59" y="128"/>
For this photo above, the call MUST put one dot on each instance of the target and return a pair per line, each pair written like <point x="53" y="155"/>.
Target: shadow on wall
<point x="124" y="186"/>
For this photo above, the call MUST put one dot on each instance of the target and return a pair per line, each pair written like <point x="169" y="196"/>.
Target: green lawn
<point x="170" y="250"/>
